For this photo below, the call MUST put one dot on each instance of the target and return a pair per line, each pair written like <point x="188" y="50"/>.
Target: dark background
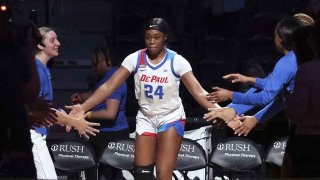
<point x="216" y="36"/>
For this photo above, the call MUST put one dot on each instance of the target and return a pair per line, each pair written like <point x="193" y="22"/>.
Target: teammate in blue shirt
<point x="47" y="49"/>
<point x="266" y="93"/>
<point x="110" y="114"/>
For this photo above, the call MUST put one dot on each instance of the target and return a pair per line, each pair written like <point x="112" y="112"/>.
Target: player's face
<point x="99" y="62"/>
<point x="51" y="43"/>
<point x="154" y="41"/>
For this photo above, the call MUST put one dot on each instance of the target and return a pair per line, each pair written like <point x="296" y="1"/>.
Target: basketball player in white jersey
<point x="160" y="120"/>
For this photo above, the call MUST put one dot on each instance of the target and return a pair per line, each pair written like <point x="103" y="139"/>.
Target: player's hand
<point x="227" y="114"/>
<point x="235" y="123"/>
<point x="76" y="110"/>
<point x="219" y="95"/>
<point x="86" y="128"/>
<point x="248" y="123"/>
<point x="68" y="128"/>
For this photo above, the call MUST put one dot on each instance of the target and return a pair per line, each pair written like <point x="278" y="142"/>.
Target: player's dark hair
<point x="157" y="24"/>
<point x="285" y="29"/>
<point x="105" y="52"/>
<point x="301" y="46"/>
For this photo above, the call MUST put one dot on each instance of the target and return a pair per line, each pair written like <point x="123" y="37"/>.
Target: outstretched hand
<point x="227" y="114"/>
<point x="248" y="123"/>
<point x="86" y="128"/>
<point x="81" y="125"/>
<point x="219" y="95"/>
<point x="235" y="78"/>
<point x="234" y="124"/>
<point x="76" y="110"/>
<point x="41" y="113"/>
<point x="238" y="78"/>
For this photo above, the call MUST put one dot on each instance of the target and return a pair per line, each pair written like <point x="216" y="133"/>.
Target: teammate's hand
<point x="76" y="110"/>
<point x="239" y="78"/>
<point x="219" y="95"/>
<point x="227" y="114"/>
<point x="248" y="123"/>
<point x="86" y="128"/>
<point x="68" y="128"/>
<point x="235" y="123"/>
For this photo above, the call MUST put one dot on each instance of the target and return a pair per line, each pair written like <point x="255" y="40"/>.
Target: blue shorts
<point x="179" y="125"/>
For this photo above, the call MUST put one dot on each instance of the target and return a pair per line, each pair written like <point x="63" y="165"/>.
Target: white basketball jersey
<point x="157" y="87"/>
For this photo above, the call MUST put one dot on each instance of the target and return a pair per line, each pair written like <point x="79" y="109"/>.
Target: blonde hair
<point x="304" y="19"/>
<point x="44" y="30"/>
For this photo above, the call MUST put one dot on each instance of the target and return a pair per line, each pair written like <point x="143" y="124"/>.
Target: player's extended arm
<point x="101" y="93"/>
<point x="196" y="90"/>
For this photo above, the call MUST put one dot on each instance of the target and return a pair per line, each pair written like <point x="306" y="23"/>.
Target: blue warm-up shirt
<point x="119" y="94"/>
<point x="267" y="91"/>
<point x="45" y="88"/>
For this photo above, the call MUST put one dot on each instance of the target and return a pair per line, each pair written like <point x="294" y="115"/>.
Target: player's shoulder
<point x="132" y="56"/>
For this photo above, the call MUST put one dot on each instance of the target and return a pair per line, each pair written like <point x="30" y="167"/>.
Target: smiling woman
<point x="47" y="48"/>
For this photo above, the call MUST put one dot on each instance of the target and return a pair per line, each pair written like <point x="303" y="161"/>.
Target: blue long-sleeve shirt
<point x="281" y="77"/>
<point x="272" y="109"/>
<point x="267" y="91"/>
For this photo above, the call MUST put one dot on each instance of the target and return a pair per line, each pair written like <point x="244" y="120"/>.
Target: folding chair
<point x="275" y="152"/>
<point x="236" y="157"/>
<point x="191" y="157"/>
<point x="120" y="154"/>
<point x="274" y="157"/>
<point x="71" y="156"/>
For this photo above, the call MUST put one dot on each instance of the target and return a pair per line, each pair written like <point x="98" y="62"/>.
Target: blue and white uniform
<point x="157" y="91"/>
